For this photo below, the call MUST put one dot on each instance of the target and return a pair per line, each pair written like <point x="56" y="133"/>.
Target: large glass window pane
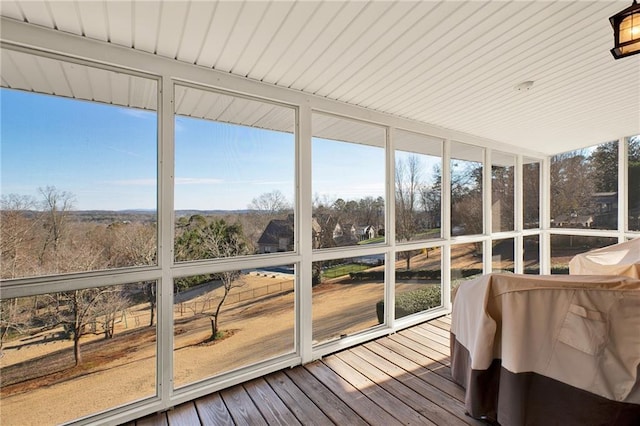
<point x="531" y="193"/>
<point x="418" y="187"/>
<point x="79" y="170"/>
<point x="584" y="188"/>
<point x="76" y="353"/>
<point x="232" y="319"/>
<point x="502" y="191"/>
<point x="633" y="186"/>
<point x="234" y="171"/>
<point x="532" y="254"/>
<point x="502" y="255"/>
<point x="466" y="189"/>
<point x="346" y="296"/>
<point x="347" y="181"/>
<point x="418" y="281"/>
<point x="565" y="247"/>
<point x="466" y="263"/>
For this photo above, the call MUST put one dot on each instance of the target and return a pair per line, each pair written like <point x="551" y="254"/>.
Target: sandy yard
<point x="122" y="369"/>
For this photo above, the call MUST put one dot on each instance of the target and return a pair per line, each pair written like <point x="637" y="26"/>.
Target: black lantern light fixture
<point x="626" y="31"/>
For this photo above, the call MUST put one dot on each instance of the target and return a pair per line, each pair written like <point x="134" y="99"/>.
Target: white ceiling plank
<point x="263" y="35"/>
<point x="79" y="78"/>
<point x="198" y="23"/>
<point x="479" y="101"/>
<point x="342" y="31"/>
<point x="201" y="103"/>
<point x="438" y="39"/>
<point x="363" y="80"/>
<point x="146" y="22"/>
<point x="65" y="15"/>
<point x="142" y="93"/>
<point x="60" y="85"/>
<point x="296" y="19"/>
<point x="242" y="33"/>
<point x="297" y="58"/>
<point x="239" y="111"/>
<point x="11" y="9"/>
<point x="173" y="17"/>
<point x="37" y="12"/>
<point x="186" y="99"/>
<point x="365" y="47"/>
<point x="455" y="49"/>
<point x="226" y="14"/>
<point x="119" y="21"/>
<point x="119" y="88"/>
<point x="12" y="71"/>
<point x="100" y="85"/>
<point x="94" y="19"/>
<point x="499" y="69"/>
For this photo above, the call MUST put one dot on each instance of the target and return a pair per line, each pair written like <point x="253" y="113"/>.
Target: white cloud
<point x="136" y="182"/>
<point x="198" y="181"/>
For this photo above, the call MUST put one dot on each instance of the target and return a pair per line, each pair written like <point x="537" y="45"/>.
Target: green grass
<point x="341" y="270"/>
<point x="372" y="241"/>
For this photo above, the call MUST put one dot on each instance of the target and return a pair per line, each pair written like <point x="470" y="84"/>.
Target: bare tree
<point x="209" y="240"/>
<point x="230" y="280"/>
<point x="408" y="184"/>
<point x="272" y="202"/>
<point x="17" y="229"/>
<point x="82" y="307"/>
<point x="14" y="317"/>
<point x="55" y="206"/>
<point x="571" y="185"/>
<point x="109" y="303"/>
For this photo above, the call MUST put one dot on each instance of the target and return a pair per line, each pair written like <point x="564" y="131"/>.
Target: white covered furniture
<point x="618" y="259"/>
<point x="541" y="350"/>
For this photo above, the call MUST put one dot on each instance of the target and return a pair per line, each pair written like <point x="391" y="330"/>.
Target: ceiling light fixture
<point x="626" y="31"/>
<point x="524" y="86"/>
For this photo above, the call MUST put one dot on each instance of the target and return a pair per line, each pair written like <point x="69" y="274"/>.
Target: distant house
<point x="602" y="213"/>
<point x="277" y="236"/>
<point x="365" y="232"/>
<point x="328" y="232"/>
<point x="573" y="221"/>
<point x="606" y="209"/>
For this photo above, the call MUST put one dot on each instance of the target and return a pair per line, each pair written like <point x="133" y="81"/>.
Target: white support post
<point x="164" y="290"/>
<point x="304" y="217"/>
<point x="487" y="255"/>
<point x="545" y="216"/>
<point x="390" y="276"/>
<point x="623" y="187"/>
<point x="445" y="223"/>
<point x="518" y="253"/>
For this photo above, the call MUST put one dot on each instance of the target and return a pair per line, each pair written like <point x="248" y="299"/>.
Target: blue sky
<point x="106" y="157"/>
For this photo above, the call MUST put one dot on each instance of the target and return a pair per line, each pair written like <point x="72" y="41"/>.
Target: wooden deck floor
<point x="400" y="379"/>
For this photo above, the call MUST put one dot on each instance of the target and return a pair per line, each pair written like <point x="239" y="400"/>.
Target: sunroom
<point x="196" y="194"/>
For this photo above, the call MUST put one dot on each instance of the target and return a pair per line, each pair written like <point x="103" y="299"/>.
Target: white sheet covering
<point x="618" y="259"/>
<point x="580" y="330"/>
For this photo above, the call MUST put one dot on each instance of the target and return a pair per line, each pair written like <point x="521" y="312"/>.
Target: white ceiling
<point x="448" y="63"/>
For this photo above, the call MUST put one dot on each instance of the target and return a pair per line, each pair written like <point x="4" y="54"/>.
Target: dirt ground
<point x="122" y="370"/>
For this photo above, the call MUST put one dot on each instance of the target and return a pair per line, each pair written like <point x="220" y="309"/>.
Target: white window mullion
<point x="487" y="217"/>
<point x="623" y="187"/>
<point x="445" y="223"/>
<point x="519" y="215"/>
<point x="304" y="318"/>
<point x="545" y="217"/>
<point x="390" y="229"/>
<point x="165" y="240"/>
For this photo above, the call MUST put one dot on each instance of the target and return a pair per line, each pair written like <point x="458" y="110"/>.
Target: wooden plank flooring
<point x="400" y="379"/>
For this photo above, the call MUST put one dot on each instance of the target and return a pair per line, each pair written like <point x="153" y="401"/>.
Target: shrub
<point x="413" y="301"/>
